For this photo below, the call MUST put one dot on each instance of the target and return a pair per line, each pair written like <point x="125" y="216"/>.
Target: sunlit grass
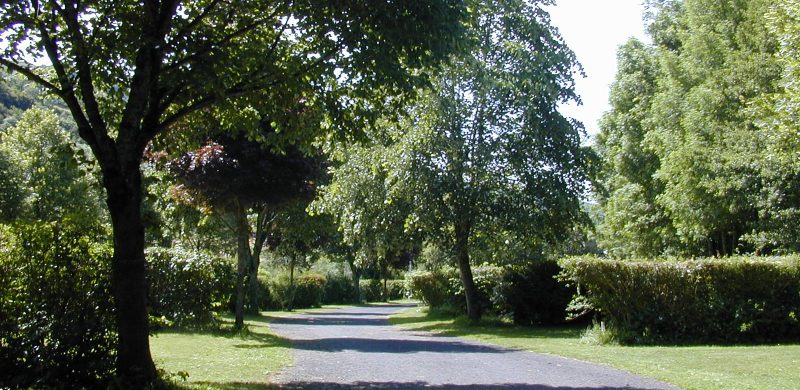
<point x="690" y="367"/>
<point x="223" y="359"/>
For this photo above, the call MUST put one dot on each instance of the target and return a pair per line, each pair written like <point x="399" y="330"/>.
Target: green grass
<point x="689" y="367"/>
<point x="223" y="359"/>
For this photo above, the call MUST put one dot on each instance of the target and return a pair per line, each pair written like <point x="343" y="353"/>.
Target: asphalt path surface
<point x="356" y="347"/>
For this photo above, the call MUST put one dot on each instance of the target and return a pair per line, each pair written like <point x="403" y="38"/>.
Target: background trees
<point x="689" y="166"/>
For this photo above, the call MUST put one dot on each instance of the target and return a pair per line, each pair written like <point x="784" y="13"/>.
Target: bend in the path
<point x="356" y="347"/>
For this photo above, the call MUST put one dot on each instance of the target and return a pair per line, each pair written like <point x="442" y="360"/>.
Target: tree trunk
<point x="462" y="232"/>
<point x="243" y="260"/>
<point x="124" y="189"/>
<point x="291" y="282"/>
<point x="356" y="280"/>
<point x="255" y="257"/>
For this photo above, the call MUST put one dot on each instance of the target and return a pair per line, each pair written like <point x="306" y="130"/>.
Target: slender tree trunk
<point x="462" y="232"/>
<point x="253" y="285"/>
<point x="356" y="280"/>
<point x="255" y="257"/>
<point x="124" y="189"/>
<point x="243" y="260"/>
<point x="291" y="282"/>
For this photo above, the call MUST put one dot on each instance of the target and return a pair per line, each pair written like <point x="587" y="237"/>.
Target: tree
<point x="634" y="223"/>
<point x="371" y="220"/>
<point x="486" y="150"/>
<point x="684" y="160"/>
<point x="128" y="71"/>
<point x="235" y="176"/>
<point x="52" y="178"/>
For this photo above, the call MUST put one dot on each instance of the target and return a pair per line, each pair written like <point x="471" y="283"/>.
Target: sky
<point x="594" y="29"/>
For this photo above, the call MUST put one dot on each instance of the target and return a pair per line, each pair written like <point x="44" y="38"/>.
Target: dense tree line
<point x="699" y="147"/>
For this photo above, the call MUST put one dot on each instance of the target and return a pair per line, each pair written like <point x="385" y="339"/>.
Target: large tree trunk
<point x="462" y="232"/>
<point x="243" y="261"/>
<point x="124" y="190"/>
<point x="253" y="283"/>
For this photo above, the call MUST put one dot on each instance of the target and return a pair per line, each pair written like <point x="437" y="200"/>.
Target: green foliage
<point x="739" y="299"/>
<point x="529" y="294"/>
<point x="307" y="291"/>
<point x="429" y="287"/>
<point x="372" y="290"/>
<point x="186" y="287"/>
<point x="54" y="178"/>
<point x="339" y="289"/>
<point x="56" y="312"/>
<point x="699" y="147"/>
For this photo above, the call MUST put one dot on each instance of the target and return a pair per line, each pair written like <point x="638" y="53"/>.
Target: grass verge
<point x="688" y="367"/>
<point x="222" y="359"/>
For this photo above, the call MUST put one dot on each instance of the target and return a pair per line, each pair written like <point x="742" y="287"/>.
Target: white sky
<point x="593" y="29"/>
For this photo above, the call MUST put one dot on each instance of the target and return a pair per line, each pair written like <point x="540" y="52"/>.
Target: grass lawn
<point x="223" y="359"/>
<point x="689" y="367"/>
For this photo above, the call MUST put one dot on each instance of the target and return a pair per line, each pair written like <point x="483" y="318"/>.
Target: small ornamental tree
<point x="236" y="176"/>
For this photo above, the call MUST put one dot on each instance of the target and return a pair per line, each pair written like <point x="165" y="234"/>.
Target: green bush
<point x="371" y="290"/>
<point x="308" y="291"/>
<point x="725" y="300"/>
<point x="531" y="295"/>
<point x="486" y="278"/>
<point x="429" y="287"/>
<point x="57" y="324"/>
<point x="339" y="289"/>
<point x="185" y="287"/>
<point x="396" y="289"/>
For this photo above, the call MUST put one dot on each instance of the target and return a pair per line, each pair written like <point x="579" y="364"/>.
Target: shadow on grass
<point x="392" y="385"/>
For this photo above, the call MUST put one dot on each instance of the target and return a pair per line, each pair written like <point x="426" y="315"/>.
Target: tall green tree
<point x="50" y="178"/>
<point x="130" y="70"/>
<point x="683" y="154"/>
<point x="486" y="149"/>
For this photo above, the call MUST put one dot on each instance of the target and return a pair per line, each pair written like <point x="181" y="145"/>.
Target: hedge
<point x="185" y="287"/>
<point x="308" y="291"/>
<point x="530" y="294"/>
<point x="709" y="300"/>
<point x="57" y="323"/>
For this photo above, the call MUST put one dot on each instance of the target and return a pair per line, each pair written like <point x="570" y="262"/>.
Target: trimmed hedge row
<point x="725" y="300"/>
<point x="528" y="294"/>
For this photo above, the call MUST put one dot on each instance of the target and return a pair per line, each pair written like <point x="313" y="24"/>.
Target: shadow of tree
<point x="396" y="385"/>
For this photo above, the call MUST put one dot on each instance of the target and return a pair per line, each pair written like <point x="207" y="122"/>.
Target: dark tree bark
<point x="255" y="259"/>
<point x="124" y="187"/>
<point x="243" y="260"/>
<point x="356" y="279"/>
<point x="462" y="232"/>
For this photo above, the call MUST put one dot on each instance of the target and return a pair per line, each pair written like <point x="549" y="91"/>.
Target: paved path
<point x="355" y="347"/>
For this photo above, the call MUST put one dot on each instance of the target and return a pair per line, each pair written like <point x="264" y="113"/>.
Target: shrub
<point x="57" y="324"/>
<point x="371" y="290"/>
<point x="185" y="287"/>
<point x="395" y="288"/>
<point x="486" y="278"/>
<point x="310" y="289"/>
<point x="531" y="295"/>
<point x="339" y="289"/>
<point x="307" y="292"/>
<point x="736" y="299"/>
<point x="429" y="287"/>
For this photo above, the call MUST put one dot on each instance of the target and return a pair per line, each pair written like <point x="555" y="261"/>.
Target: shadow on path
<point x="398" y="385"/>
<point x="393" y="346"/>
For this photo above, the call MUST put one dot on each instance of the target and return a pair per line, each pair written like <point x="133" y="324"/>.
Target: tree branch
<point x="31" y="75"/>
